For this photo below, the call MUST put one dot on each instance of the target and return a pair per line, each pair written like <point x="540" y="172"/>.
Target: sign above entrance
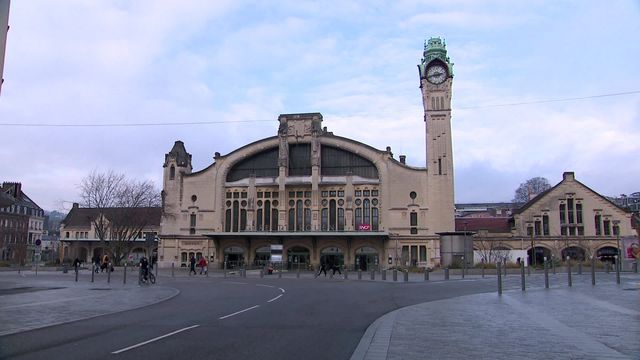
<point x="364" y="227"/>
<point x="276" y="253"/>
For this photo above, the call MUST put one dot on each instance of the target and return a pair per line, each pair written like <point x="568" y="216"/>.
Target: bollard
<point x="569" y="271"/>
<point x="76" y="273"/>
<point x="464" y="267"/>
<point x="172" y="270"/>
<point x="346" y="275"/>
<point x="593" y="270"/>
<point x="280" y="272"/>
<point x="298" y="273"/>
<point x="262" y="273"/>
<point x="109" y="273"/>
<point x="528" y="269"/>
<point x="20" y="267"/>
<point x="553" y="265"/>
<point x="446" y="273"/>
<point x="483" y="269"/>
<point x="580" y="268"/>
<point x="384" y="275"/>
<point x="406" y="275"/>
<point x="635" y="267"/>
<point x="522" y="275"/>
<point x="606" y="267"/>
<point x="37" y="267"/>
<point x="373" y="275"/>
<point x="617" y="270"/>
<point x="92" y="273"/>
<point x="546" y="273"/>
<point x="426" y="274"/>
<point x="124" y="277"/>
<point x="505" y="266"/>
<point x="157" y="266"/>
<point x="395" y="275"/>
<point x="499" y="272"/>
<point x="359" y="274"/>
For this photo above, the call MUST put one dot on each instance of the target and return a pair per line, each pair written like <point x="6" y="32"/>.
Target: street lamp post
<point x="616" y="229"/>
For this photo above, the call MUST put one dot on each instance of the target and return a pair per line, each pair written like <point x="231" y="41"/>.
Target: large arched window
<point x="235" y="218"/>
<point x="336" y="162"/>
<point x="263" y="164"/>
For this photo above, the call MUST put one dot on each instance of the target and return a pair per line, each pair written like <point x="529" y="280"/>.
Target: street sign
<point x="276" y="253"/>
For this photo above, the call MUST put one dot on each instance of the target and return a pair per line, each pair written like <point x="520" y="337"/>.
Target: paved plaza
<point x="562" y="322"/>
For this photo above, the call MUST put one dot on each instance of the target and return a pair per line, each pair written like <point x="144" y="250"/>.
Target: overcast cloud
<point x="125" y="62"/>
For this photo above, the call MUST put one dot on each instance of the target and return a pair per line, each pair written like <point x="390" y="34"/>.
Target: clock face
<point x="436" y="74"/>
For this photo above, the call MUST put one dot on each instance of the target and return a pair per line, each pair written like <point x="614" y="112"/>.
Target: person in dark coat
<point x="76" y="264"/>
<point x="336" y="268"/>
<point x="192" y="265"/>
<point x="323" y="269"/>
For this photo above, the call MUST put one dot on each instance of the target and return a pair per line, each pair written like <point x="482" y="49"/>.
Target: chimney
<point x="76" y="205"/>
<point x="403" y="159"/>
<point x="568" y="175"/>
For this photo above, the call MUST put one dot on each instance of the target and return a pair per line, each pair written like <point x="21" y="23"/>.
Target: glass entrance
<point x="366" y="258"/>
<point x="298" y="257"/>
<point x="263" y="255"/>
<point x="332" y="256"/>
<point x="234" y="257"/>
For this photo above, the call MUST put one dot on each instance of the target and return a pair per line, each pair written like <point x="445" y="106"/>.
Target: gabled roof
<point x="82" y="217"/>
<point x="490" y="224"/>
<point x="565" y="177"/>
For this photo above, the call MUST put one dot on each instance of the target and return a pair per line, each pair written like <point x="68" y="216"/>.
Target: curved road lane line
<point x="154" y="339"/>
<point x="275" y="298"/>
<point x="238" y="312"/>
<point x="281" y="289"/>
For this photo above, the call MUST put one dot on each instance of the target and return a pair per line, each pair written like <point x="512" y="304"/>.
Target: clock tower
<point x="436" y="76"/>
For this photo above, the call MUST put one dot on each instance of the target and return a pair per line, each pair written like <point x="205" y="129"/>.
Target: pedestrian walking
<point x="95" y="261"/>
<point x="336" y="268"/>
<point x="203" y="265"/>
<point x="105" y="263"/>
<point x="76" y="264"/>
<point x="192" y="266"/>
<point x="323" y="269"/>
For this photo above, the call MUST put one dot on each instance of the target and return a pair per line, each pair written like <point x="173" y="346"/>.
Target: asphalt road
<point x="240" y="318"/>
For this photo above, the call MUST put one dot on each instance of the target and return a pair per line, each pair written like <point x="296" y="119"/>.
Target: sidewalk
<point x="29" y="302"/>
<point x="579" y="322"/>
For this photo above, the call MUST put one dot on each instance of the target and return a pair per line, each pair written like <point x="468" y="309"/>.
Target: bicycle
<point x="149" y="279"/>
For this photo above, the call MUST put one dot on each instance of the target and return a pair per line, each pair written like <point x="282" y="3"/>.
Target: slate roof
<point x="82" y="217"/>
<point x="490" y="224"/>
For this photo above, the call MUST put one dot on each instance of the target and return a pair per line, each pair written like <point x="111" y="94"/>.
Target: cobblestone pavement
<point x="578" y="322"/>
<point x="29" y="302"/>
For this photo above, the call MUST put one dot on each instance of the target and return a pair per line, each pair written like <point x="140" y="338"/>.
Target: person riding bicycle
<point x="144" y="268"/>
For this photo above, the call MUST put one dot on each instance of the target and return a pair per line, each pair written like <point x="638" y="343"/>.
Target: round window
<point x="413" y="195"/>
<point x="307" y="203"/>
<point x="228" y="203"/>
<point x="340" y="202"/>
<point x="274" y="203"/>
<point x="358" y="202"/>
<point x="374" y="202"/>
<point x="292" y="203"/>
<point x="325" y="202"/>
<point x="259" y="203"/>
<point x="244" y="203"/>
<point x="194" y="198"/>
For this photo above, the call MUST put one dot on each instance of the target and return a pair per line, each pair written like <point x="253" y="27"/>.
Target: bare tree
<point x="490" y="251"/>
<point x="123" y="209"/>
<point x="530" y="188"/>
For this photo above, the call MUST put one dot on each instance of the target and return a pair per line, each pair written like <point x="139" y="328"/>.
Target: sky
<point x="237" y="65"/>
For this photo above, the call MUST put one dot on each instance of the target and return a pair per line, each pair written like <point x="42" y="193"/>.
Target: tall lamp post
<point x="616" y="229"/>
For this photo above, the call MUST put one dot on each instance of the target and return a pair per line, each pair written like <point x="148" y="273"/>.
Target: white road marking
<point x="237" y="283"/>
<point x="269" y="286"/>
<point x="281" y="289"/>
<point x="238" y="312"/>
<point x="154" y="339"/>
<point x="275" y="298"/>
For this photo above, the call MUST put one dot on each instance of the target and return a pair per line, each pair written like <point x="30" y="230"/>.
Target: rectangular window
<point x="236" y="195"/>
<point x="332" y="193"/>
<point x="366" y="193"/>
<point x="192" y="221"/>
<point x="358" y="193"/>
<point x="243" y="194"/>
<point x="597" y="219"/>
<point x="572" y="230"/>
<point x="307" y="194"/>
<point x="325" y="194"/>
<point x="299" y="194"/>
<point x="340" y="193"/>
<point x="374" y="192"/>
<point x="616" y="228"/>
<point x="545" y="225"/>
<point x="563" y="230"/>
<point x="607" y="227"/>
<point x="229" y="195"/>
<point x="267" y="195"/>
<point x="275" y="195"/>
<point x="570" y="210"/>
<point x="292" y="194"/>
<point x="581" y="230"/>
<point x="529" y="230"/>
<point x="538" y="228"/>
<point x="423" y="253"/>
<point x="413" y="219"/>
<point x="579" y="213"/>
<point x="259" y="195"/>
<point x="325" y="219"/>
